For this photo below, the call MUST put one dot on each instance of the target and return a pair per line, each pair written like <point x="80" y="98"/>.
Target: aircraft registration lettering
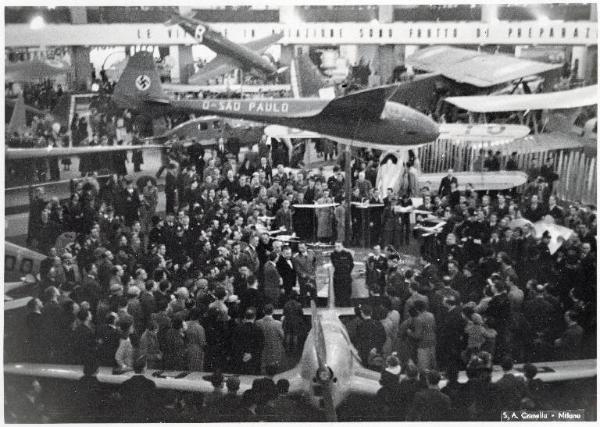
<point x="268" y="107"/>
<point x="222" y="105"/>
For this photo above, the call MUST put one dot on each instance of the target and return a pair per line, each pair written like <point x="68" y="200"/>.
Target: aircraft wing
<point x="172" y="380"/>
<point x="179" y="88"/>
<point x="261" y="45"/>
<point x="216" y="68"/>
<point x="13" y="103"/>
<point x="480" y="133"/>
<point x="478" y="69"/>
<point x="366" y="381"/>
<point x="481" y="181"/>
<point x="13" y="304"/>
<point x="573" y="98"/>
<point x="548" y="372"/>
<point x="33" y="153"/>
<point x="34" y="70"/>
<point x="360" y="385"/>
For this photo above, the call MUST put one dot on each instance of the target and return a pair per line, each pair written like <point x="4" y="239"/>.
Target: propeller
<point x="324" y="374"/>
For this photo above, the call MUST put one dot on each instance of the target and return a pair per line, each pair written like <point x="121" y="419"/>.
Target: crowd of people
<point x="42" y="95"/>
<point x="195" y="288"/>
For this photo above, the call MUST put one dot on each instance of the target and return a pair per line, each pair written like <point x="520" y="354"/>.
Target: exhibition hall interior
<point x="300" y="213"/>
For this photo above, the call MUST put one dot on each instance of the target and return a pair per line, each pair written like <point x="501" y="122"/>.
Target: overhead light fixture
<point x="37" y="23"/>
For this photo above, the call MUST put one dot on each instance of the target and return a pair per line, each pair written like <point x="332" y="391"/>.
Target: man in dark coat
<point x="34" y="349"/>
<point x="91" y="290"/>
<point x="511" y="389"/>
<point x="173" y="346"/>
<point x="499" y="312"/>
<point x="131" y="204"/>
<point x="88" y="404"/>
<point x="247" y="341"/>
<point x="138" y="395"/>
<point x="285" y="267"/>
<point x="171" y="189"/>
<point x="450" y="335"/>
<point x="430" y="404"/>
<point x="343" y="263"/>
<point x="108" y="340"/>
<point x="284" y="218"/>
<point x="445" y="184"/>
<point x="52" y="333"/>
<point x="370" y="335"/>
<point x="84" y="340"/>
<point x="406" y="391"/>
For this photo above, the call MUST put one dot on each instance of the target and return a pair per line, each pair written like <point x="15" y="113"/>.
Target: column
<point x="287" y="15"/>
<point x="82" y="68"/>
<point x="387" y="62"/>
<point x="385" y="14"/>
<point x="489" y="13"/>
<point x="287" y="53"/>
<point x="580" y="54"/>
<point x="183" y="63"/>
<point x="78" y="15"/>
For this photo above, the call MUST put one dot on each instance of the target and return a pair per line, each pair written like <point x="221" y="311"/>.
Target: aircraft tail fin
<point x="307" y="79"/>
<point x="363" y="105"/>
<point x="139" y="83"/>
<point x="17" y="120"/>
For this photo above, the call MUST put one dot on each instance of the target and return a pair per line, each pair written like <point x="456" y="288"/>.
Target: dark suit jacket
<point x="444" y="189"/>
<point x="109" y="343"/>
<point x="429" y="405"/>
<point x="284" y="219"/>
<point x="287" y="273"/>
<point x="84" y="344"/>
<point x="247" y="338"/>
<point x="510" y="391"/>
<point x="88" y="401"/>
<point x="138" y="394"/>
<point x="252" y="298"/>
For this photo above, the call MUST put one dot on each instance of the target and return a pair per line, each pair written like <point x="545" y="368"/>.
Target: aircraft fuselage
<point x="249" y="59"/>
<point x="397" y="125"/>
<point x="223" y="46"/>
<point x="342" y="359"/>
